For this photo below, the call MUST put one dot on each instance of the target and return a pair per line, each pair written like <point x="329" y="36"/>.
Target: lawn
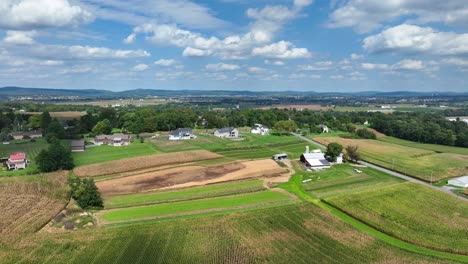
<point x="287" y="234"/>
<point x="432" y="147"/>
<point x="343" y="179"/>
<point x="420" y="163"/>
<point x="30" y="148"/>
<point x="98" y="154"/>
<point x="195" y="206"/>
<point x="413" y="213"/>
<point x="209" y="191"/>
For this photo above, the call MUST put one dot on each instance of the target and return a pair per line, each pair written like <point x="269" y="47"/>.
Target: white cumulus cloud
<point x="34" y="14"/>
<point x="414" y="39"/>
<point x="281" y="50"/>
<point x="222" y="67"/>
<point x="20" y="37"/>
<point x="140" y="67"/>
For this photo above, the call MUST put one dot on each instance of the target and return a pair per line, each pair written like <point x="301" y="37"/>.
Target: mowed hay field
<point x="28" y="203"/>
<point x="209" y="191"/>
<point x="138" y="163"/>
<point x="287" y="234"/>
<point x="192" y="207"/>
<point x="187" y="176"/>
<point x="433" y="147"/>
<point x="419" y="163"/>
<point x="343" y="179"/>
<point x="108" y="153"/>
<point x="413" y="213"/>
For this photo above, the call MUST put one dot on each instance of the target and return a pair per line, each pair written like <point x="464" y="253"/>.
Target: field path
<point x="390" y="172"/>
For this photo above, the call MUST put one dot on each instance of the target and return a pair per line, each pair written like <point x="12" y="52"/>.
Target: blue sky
<point x="337" y="45"/>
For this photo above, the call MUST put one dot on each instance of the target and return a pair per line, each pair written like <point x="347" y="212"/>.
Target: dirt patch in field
<point x="143" y="162"/>
<point x="187" y="176"/>
<point x="377" y="133"/>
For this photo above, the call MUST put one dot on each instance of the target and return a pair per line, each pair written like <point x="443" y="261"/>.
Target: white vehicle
<point x="358" y="171"/>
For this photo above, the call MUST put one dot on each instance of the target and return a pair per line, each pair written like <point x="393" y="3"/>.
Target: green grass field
<point x="432" y="147"/>
<point x="30" y="148"/>
<point x="209" y="191"/>
<point x="252" y="147"/>
<point x="413" y="213"/>
<point x="100" y="154"/>
<point x="196" y="206"/>
<point x="342" y="179"/>
<point x="287" y="234"/>
<point x="420" y="163"/>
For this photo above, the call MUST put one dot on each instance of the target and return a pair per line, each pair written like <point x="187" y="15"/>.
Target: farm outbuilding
<point x="77" y="145"/>
<point x="26" y="135"/>
<point x="260" y="129"/>
<point x="280" y="157"/>
<point x="460" y="182"/>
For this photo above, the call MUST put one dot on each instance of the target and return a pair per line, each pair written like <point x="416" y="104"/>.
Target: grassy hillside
<point x="432" y="147"/>
<point x="416" y="162"/>
<point x="413" y="213"/>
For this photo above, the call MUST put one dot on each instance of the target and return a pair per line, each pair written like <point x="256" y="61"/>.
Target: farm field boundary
<point x="138" y="163"/>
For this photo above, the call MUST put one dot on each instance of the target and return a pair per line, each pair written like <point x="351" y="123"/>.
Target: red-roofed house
<point x="17" y="161"/>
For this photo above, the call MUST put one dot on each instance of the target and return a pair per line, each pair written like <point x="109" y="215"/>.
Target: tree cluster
<point x="423" y="127"/>
<point x="55" y="157"/>
<point x="85" y="193"/>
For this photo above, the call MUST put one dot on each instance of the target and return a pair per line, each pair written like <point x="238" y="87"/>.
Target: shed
<point x="77" y="145"/>
<point x="280" y="157"/>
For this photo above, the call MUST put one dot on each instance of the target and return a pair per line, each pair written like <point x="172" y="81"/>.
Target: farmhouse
<point x="315" y="159"/>
<point x="227" y="132"/>
<point x="17" y="161"/>
<point x="460" y="182"/>
<point x="26" y="135"/>
<point x="77" y="145"/>
<point x="260" y="130"/>
<point x="181" y="133"/>
<point x="115" y="140"/>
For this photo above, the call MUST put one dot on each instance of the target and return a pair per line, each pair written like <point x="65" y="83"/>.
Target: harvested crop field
<point x="28" y="204"/>
<point x="144" y="162"/>
<point x="187" y="176"/>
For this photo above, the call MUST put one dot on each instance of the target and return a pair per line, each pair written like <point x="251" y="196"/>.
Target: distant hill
<point x="96" y="93"/>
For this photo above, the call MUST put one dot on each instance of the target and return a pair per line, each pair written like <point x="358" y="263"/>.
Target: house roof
<point x="316" y="159"/>
<point x="462" y="180"/>
<point x="121" y="136"/>
<point x="225" y="130"/>
<point x="19" y="155"/>
<point x="179" y="131"/>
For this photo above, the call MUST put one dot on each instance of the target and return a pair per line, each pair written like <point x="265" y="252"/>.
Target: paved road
<point x="390" y="172"/>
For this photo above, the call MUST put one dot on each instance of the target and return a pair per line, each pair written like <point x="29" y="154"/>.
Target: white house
<point x="460" y="182"/>
<point x="324" y="128"/>
<point x="260" y="130"/>
<point x="227" y="132"/>
<point x="17" y="161"/>
<point x="315" y="159"/>
<point x="181" y="133"/>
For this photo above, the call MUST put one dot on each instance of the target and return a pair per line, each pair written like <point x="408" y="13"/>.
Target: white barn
<point x="460" y="182"/>
<point x="315" y="159"/>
